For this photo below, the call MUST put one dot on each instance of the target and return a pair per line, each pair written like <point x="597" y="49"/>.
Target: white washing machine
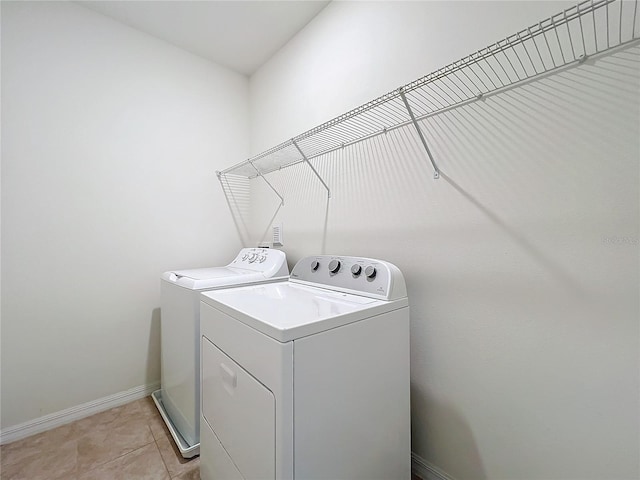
<point x="178" y="400"/>
<point x="309" y="378"/>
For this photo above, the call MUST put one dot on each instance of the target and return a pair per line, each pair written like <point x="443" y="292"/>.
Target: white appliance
<point x="309" y="378"/>
<point x="178" y="400"/>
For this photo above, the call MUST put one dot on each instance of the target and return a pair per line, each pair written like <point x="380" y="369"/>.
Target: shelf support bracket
<point x="304" y="157"/>
<point x="436" y="173"/>
<point x="259" y="173"/>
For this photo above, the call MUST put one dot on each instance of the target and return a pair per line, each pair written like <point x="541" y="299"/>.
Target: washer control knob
<point x="252" y="257"/>
<point x="370" y="271"/>
<point x="356" y="270"/>
<point x="334" y="266"/>
<point x="314" y="265"/>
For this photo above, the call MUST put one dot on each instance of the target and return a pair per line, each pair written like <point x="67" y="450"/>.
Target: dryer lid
<point x="287" y="310"/>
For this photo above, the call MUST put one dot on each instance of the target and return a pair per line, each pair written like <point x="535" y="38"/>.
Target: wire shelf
<point x="567" y="38"/>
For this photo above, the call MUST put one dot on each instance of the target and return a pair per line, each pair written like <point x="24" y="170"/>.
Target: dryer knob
<point x="356" y="270"/>
<point x="314" y="265"/>
<point x="334" y="266"/>
<point x="370" y="271"/>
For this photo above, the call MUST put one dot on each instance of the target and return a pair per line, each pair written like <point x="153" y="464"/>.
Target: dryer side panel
<point x="351" y="401"/>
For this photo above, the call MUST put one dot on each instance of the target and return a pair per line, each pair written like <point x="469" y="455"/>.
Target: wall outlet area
<point x="277" y="235"/>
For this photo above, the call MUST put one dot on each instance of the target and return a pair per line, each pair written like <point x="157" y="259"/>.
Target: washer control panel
<point x="359" y="275"/>
<point x="258" y="259"/>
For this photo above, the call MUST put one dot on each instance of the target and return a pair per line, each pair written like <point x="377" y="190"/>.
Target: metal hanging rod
<point x="420" y="134"/>
<point x="311" y="167"/>
<point x="567" y="38"/>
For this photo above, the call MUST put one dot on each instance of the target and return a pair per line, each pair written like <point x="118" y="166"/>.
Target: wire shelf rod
<point x="546" y="42"/>
<point x="535" y="44"/>
<point x="494" y="72"/>
<point x="479" y="65"/>
<point x="595" y="30"/>
<point x="555" y="30"/>
<point x="449" y="99"/>
<point x="445" y="84"/>
<point x="312" y="168"/>
<point x="620" y="23"/>
<point x="608" y="38"/>
<point x="436" y="98"/>
<point x="420" y="134"/>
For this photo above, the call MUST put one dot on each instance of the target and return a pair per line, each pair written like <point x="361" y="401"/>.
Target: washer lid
<point x="286" y="310"/>
<point x="202" y="278"/>
<point x="251" y="265"/>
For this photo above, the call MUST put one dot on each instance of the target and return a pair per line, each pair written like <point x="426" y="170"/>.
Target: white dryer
<point x="309" y="378"/>
<point x="178" y="400"/>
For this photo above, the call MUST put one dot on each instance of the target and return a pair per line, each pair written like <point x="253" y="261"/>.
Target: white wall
<point x="110" y="142"/>
<point x="521" y="262"/>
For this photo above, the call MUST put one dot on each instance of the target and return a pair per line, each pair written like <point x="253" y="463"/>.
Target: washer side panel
<point x="180" y="342"/>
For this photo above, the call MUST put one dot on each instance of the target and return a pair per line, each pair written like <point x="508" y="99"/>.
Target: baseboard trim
<point x="426" y="471"/>
<point x="57" y="419"/>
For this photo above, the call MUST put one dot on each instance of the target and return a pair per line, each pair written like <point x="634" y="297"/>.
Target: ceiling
<point x="240" y="35"/>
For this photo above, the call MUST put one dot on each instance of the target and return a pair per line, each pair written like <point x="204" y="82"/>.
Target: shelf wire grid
<point x="567" y="38"/>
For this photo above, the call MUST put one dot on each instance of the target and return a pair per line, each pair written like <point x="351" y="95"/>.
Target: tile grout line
<point x="155" y="440"/>
<point x="78" y="473"/>
<point x="161" y="458"/>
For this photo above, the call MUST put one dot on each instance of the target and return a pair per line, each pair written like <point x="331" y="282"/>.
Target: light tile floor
<point x="130" y="442"/>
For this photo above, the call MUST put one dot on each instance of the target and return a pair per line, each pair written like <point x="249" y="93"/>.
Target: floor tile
<point x="56" y="462"/>
<point x="144" y="463"/>
<point x="158" y="428"/>
<point x="109" y="441"/>
<point x="20" y="450"/>
<point x="122" y="415"/>
<point x="131" y="439"/>
<point x="190" y="475"/>
<point x="148" y="407"/>
<point x="25" y="448"/>
<point x="175" y="462"/>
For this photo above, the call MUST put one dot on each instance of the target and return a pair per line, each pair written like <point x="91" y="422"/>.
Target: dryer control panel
<point x="362" y="276"/>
